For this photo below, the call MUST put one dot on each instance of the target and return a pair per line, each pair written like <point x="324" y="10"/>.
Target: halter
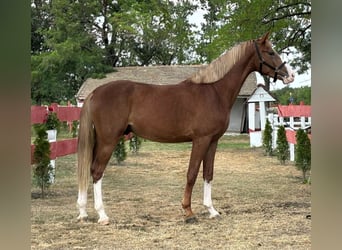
<point x="262" y="61"/>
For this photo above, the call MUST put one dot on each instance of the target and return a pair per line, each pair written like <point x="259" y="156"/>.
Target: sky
<point x="300" y="80"/>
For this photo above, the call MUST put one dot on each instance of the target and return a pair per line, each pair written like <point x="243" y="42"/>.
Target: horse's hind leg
<point x="102" y="155"/>
<point x="98" y="203"/>
<point x="82" y="203"/>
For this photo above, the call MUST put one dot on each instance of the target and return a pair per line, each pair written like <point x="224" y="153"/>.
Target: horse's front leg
<point x="208" y="173"/>
<point x="199" y="149"/>
<point x="207" y="201"/>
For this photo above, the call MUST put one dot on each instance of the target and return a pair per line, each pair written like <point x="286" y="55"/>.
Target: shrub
<point x="52" y="121"/>
<point x="120" y="151"/>
<point x="283" y="152"/>
<point x="43" y="168"/>
<point x="74" y="128"/>
<point x="267" y="138"/>
<point x="303" y="153"/>
<point x="134" y="144"/>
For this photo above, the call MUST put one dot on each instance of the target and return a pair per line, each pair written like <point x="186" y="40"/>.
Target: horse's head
<point x="269" y="62"/>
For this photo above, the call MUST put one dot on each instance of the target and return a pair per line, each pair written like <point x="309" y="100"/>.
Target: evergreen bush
<point x="282" y="150"/>
<point x="43" y="168"/>
<point x="134" y="144"/>
<point x="52" y="121"/>
<point x="303" y="153"/>
<point x="267" y="138"/>
<point x="120" y="153"/>
<point x="74" y="128"/>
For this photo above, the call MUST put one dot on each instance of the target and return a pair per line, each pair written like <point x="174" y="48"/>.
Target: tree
<point x="267" y="138"/>
<point x="303" y="153"/>
<point x="74" y="40"/>
<point x="43" y="168"/>
<point x="68" y="54"/>
<point x="178" y="42"/>
<point x="240" y="20"/>
<point x="302" y="94"/>
<point x="282" y="150"/>
<point x="214" y="19"/>
<point x="157" y="32"/>
<point x="41" y="20"/>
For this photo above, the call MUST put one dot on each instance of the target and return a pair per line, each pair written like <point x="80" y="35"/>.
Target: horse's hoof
<point x="215" y="216"/>
<point x="104" y="222"/>
<point x="82" y="219"/>
<point x="191" y="219"/>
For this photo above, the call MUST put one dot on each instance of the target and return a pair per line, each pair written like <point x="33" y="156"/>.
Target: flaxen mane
<point x="220" y="66"/>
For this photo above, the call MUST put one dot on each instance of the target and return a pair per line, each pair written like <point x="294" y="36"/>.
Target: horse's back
<point x="111" y="89"/>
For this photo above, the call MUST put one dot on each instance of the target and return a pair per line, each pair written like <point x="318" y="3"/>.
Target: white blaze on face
<point x="291" y="76"/>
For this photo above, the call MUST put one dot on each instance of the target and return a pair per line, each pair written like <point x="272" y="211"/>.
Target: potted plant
<point x="52" y="124"/>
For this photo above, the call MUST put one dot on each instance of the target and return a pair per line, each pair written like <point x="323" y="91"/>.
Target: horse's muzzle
<point x="289" y="77"/>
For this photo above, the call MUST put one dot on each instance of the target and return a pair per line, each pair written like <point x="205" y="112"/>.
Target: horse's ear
<point x="265" y="37"/>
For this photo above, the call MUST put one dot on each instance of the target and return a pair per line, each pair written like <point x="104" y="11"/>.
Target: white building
<point x="257" y="114"/>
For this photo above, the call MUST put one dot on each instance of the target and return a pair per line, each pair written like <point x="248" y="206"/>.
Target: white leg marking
<point x="99" y="204"/>
<point x="207" y="200"/>
<point x="82" y="203"/>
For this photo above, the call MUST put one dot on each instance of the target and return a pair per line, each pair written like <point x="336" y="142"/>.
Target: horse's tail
<point x="86" y="142"/>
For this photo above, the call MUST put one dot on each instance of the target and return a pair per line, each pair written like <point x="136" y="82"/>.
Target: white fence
<point x="293" y="117"/>
<point x="291" y="127"/>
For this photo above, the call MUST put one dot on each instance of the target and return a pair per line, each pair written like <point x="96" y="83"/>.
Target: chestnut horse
<point x="196" y="109"/>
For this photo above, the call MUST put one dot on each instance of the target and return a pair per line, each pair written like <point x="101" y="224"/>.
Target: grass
<point x="234" y="142"/>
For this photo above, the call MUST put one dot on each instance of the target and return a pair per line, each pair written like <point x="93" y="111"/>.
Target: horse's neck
<point x="230" y="85"/>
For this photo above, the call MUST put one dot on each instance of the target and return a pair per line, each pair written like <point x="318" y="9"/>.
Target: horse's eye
<point x="271" y="53"/>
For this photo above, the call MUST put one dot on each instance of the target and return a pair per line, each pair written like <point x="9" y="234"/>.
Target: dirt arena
<point x="263" y="205"/>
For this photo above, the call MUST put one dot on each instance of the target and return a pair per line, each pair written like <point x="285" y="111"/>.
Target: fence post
<point x="292" y="149"/>
<point x="274" y="124"/>
<point x="52" y="137"/>
<point x="262" y="109"/>
<point x="291" y="145"/>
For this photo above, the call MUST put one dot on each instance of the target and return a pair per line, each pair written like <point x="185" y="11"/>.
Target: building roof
<point x="155" y="75"/>
<point x="294" y="110"/>
<point x="261" y="94"/>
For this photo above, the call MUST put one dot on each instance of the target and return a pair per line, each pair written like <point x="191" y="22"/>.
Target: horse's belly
<point x="166" y="133"/>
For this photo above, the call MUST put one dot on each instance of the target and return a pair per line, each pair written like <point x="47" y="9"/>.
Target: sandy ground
<point x="263" y="205"/>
